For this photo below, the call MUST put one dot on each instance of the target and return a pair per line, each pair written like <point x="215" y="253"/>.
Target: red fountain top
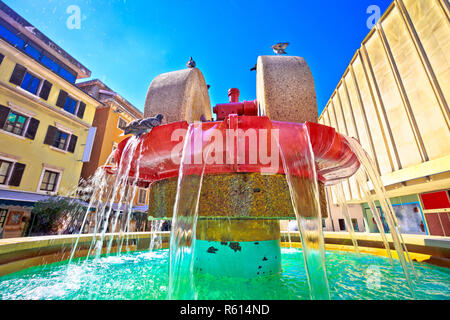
<point x="241" y="144"/>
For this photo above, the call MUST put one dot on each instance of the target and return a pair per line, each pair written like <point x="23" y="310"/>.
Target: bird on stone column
<point x="191" y="63"/>
<point x="279" y="48"/>
<point x="141" y="126"/>
<point x="254" y="68"/>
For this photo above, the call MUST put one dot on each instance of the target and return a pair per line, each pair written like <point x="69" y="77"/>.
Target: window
<point x="49" y="181"/>
<point x="15" y="123"/>
<point x="11" y="173"/>
<point x="30" y="83"/>
<point x="121" y="124"/>
<point x="27" y="81"/>
<point x="3" y="215"/>
<point x="60" y="139"/>
<point x="12" y="121"/>
<point x="355" y="225"/>
<point x="341" y="224"/>
<point x="142" y="197"/>
<point x="70" y="104"/>
<point x="1" y="58"/>
<point x="5" y="168"/>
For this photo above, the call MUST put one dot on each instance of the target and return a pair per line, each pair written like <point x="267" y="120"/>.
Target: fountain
<point x="226" y="184"/>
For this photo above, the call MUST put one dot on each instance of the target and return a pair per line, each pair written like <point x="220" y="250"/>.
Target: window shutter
<point x="50" y="136"/>
<point x="4" y="112"/>
<point x="32" y="128"/>
<point x="72" y="143"/>
<point x="45" y="91"/>
<point x="81" y="110"/>
<point x="18" y="75"/>
<point x="62" y="99"/>
<point x="16" y="175"/>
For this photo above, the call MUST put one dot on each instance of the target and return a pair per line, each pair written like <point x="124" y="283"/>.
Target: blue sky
<point x="127" y="43"/>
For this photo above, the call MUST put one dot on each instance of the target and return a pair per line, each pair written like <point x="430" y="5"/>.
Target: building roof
<point x="104" y="94"/>
<point x="27" y="29"/>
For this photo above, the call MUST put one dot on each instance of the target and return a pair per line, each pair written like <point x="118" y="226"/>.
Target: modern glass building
<point x="394" y="98"/>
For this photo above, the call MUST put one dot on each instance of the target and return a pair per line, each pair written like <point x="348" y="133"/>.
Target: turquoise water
<point x="144" y="275"/>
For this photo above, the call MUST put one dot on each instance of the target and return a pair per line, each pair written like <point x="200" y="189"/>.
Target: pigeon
<point x="208" y="86"/>
<point x="279" y="48"/>
<point x="141" y="126"/>
<point x="254" y="68"/>
<point x="191" y="63"/>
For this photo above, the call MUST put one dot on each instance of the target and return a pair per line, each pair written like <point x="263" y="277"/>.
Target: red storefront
<point x="436" y="207"/>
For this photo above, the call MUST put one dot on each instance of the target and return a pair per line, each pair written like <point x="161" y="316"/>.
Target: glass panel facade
<point x="11" y="37"/>
<point x="67" y="75"/>
<point x="32" y="51"/>
<point x="35" y="53"/>
<point x="50" y="63"/>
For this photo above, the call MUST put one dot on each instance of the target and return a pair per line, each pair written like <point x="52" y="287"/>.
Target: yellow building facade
<point x="110" y="119"/>
<point x="45" y="120"/>
<point x="394" y="98"/>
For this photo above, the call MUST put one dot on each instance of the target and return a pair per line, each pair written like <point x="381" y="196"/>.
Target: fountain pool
<point x="143" y="275"/>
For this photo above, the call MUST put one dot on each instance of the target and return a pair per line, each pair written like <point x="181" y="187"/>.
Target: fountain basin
<point x="143" y="275"/>
<point x="22" y="253"/>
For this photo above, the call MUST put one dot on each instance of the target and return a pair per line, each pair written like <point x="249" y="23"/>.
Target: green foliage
<point x="56" y="215"/>
<point x="141" y="219"/>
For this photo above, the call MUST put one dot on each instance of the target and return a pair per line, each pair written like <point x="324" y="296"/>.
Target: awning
<point x="143" y="209"/>
<point x="25" y="199"/>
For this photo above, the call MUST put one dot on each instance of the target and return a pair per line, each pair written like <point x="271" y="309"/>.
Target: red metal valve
<point x="245" y="108"/>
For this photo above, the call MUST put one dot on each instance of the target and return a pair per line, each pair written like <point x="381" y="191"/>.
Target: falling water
<point x="155" y="240"/>
<point x="362" y="182"/>
<point x="305" y="201"/>
<point x="184" y="223"/>
<point x="344" y="210"/>
<point x="120" y="183"/>
<point x="370" y="169"/>
<point x="289" y="237"/>
<point x="97" y="186"/>
<point x="185" y="213"/>
<point x="107" y="190"/>
<point x="130" y="203"/>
